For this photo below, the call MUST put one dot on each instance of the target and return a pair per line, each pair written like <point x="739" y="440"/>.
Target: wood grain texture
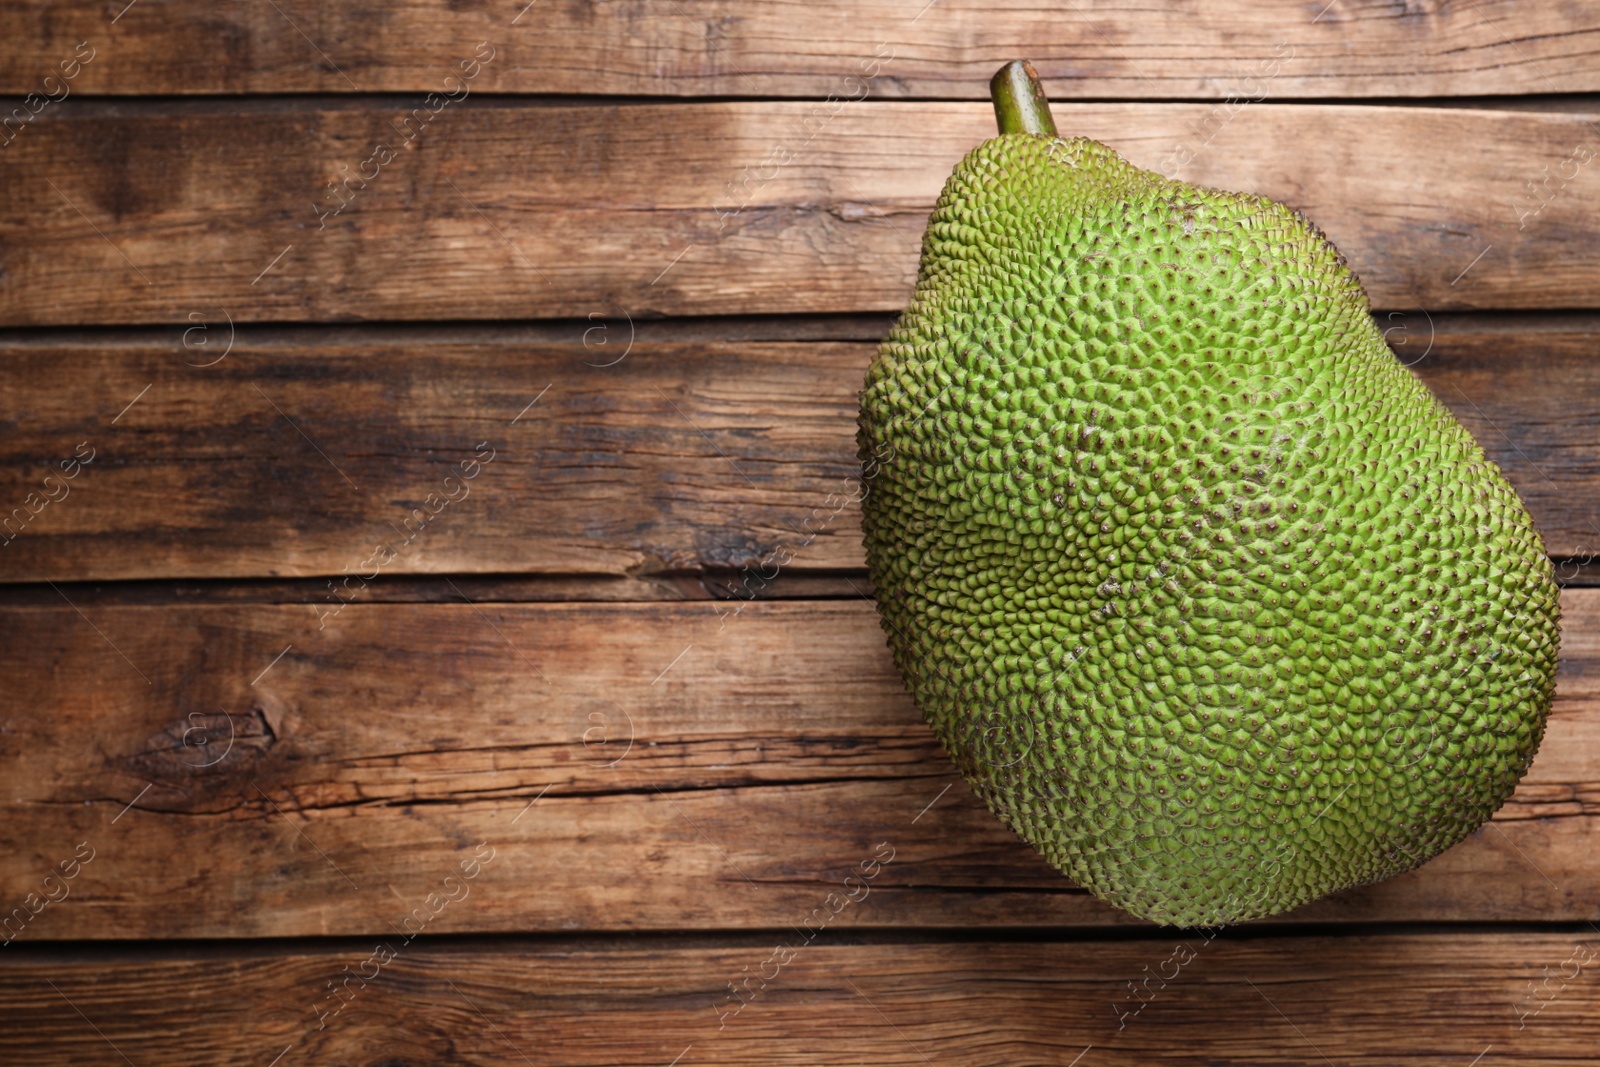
<point x="693" y="47"/>
<point x="135" y="213"/>
<point x="647" y="774"/>
<point x="297" y="456"/>
<point x="634" y="766"/>
<point x="1369" y="1001"/>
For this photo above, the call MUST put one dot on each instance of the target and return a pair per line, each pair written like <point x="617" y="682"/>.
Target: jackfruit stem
<point x="1019" y="101"/>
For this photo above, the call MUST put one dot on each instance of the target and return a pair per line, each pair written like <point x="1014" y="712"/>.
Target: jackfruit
<point x="1206" y="595"/>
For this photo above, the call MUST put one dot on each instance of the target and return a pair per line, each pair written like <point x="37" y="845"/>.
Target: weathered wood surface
<point x="639" y="795"/>
<point x="944" y="48"/>
<point x="636" y="766"/>
<point x="128" y="213"/>
<point x="1365" y="1001"/>
<point x="298" y="455"/>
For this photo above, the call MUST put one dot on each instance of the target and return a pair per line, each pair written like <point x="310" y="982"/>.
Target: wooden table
<point x="403" y="405"/>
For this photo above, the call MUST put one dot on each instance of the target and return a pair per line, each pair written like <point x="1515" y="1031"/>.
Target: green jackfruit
<point x="1208" y="597"/>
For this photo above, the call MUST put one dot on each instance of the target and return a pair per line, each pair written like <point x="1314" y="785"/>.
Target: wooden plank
<point x="788" y="48"/>
<point x="1363" y="1001"/>
<point x="707" y="585"/>
<point x="137" y="213"/>
<point x="730" y="453"/>
<point x="635" y="766"/>
<point x="300" y="460"/>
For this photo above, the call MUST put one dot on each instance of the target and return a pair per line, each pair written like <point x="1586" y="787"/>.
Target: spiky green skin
<point x="1207" y="596"/>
